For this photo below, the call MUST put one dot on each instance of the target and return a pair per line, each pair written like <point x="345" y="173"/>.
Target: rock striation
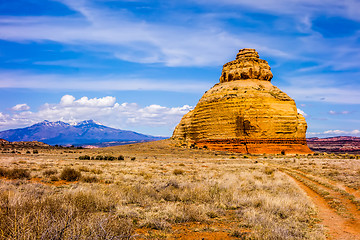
<point x="244" y="113"/>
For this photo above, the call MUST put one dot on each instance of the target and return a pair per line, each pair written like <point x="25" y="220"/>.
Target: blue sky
<point x="140" y="65"/>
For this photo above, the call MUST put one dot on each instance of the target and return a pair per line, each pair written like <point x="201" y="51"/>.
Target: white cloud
<point x="345" y="8"/>
<point x="11" y="79"/>
<point x="208" y="41"/>
<point x="331" y="133"/>
<point x="96" y="102"/>
<point x="321" y="88"/>
<point x="327" y="94"/>
<point x="203" y="43"/>
<point x="104" y="110"/>
<point x="159" y="115"/>
<point x="200" y="39"/>
<point x="353" y="132"/>
<point x="332" y="112"/>
<point x="301" y="112"/>
<point x="67" y="100"/>
<point x="20" y="107"/>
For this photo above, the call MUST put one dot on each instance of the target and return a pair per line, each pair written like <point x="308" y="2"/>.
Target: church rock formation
<point x="244" y="113"/>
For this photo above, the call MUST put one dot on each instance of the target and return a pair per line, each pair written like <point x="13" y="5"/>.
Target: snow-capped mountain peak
<point x="88" y="122"/>
<point x="62" y="133"/>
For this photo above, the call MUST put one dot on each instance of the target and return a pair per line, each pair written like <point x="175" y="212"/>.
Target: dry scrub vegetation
<point x="343" y="168"/>
<point x="163" y="194"/>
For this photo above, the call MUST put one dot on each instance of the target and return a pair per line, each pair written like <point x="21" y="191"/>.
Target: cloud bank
<point x="105" y="110"/>
<point x="334" y="133"/>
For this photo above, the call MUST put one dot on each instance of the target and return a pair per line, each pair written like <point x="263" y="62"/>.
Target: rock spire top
<point x="246" y="66"/>
<point x="247" y="53"/>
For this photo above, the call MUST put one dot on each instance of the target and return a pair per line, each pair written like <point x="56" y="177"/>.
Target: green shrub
<point x="16" y="173"/>
<point x="90" y="179"/>
<point x="35" y="151"/>
<point x="85" y="157"/>
<point x="3" y="172"/>
<point x="109" y="158"/>
<point x="121" y="157"/>
<point x="70" y="174"/>
<point x="178" y="171"/>
<point x="54" y="178"/>
<point x="269" y="170"/>
<point x="50" y="172"/>
<point x="133" y="158"/>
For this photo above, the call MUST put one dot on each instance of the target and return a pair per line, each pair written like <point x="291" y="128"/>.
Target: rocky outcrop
<point x="245" y="113"/>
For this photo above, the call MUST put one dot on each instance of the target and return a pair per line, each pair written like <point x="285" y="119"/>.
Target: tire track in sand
<point x="339" y="227"/>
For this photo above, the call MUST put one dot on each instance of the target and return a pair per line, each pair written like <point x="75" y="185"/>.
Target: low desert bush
<point x="108" y="158"/>
<point x="269" y="170"/>
<point x="3" y="172"/>
<point x="178" y="172"/>
<point x="84" y="169"/>
<point x="96" y="171"/>
<point x="15" y="173"/>
<point x="89" y="179"/>
<point x="85" y="157"/>
<point x="50" y="172"/>
<point x="54" y="178"/>
<point x="70" y="174"/>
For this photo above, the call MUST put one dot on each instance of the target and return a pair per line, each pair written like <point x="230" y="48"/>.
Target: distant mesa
<point x="244" y="113"/>
<point x="3" y="141"/>
<point x="23" y="144"/>
<point x="340" y="144"/>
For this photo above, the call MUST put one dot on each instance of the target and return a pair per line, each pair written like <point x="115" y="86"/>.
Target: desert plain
<point x="156" y="190"/>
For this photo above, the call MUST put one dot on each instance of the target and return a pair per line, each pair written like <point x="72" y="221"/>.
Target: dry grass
<point x="162" y="189"/>
<point x="344" y="169"/>
<point x="15" y="173"/>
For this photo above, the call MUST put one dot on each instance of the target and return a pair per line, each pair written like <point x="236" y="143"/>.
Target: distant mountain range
<point x="86" y="132"/>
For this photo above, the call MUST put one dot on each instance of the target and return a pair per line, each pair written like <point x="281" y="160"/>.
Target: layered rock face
<point x="245" y="113"/>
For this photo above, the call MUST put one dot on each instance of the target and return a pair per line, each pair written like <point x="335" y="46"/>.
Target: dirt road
<point x="344" y="224"/>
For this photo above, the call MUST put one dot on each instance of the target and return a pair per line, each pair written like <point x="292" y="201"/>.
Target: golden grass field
<point x="163" y="192"/>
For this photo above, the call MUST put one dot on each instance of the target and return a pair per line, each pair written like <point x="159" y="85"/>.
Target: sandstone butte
<point x="244" y="113"/>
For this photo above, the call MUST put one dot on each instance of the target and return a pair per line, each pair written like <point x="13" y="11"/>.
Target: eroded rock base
<point x="256" y="146"/>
